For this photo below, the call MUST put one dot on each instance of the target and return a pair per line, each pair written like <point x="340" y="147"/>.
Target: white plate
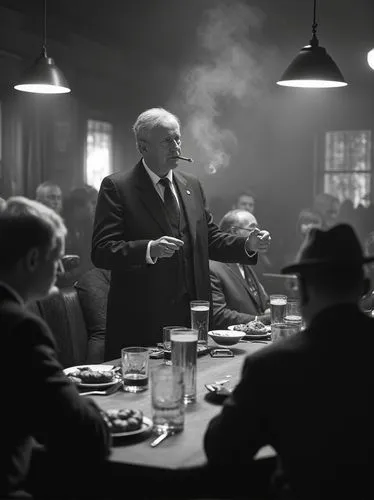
<point x="102" y="368"/>
<point x="253" y="335"/>
<point x="146" y="426"/>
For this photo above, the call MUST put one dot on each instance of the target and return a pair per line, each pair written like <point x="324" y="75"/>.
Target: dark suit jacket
<point x="38" y="399"/>
<point x="311" y="398"/>
<point x="142" y="297"/>
<point x="233" y="302"/>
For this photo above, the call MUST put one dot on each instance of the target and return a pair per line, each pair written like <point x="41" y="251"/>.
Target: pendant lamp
<point x="44" y="77"/>
<point x="312" y="67"/>
<point x="370" y="58"/>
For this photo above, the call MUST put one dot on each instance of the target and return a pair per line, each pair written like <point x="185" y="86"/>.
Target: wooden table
<point x="186" y="448"/>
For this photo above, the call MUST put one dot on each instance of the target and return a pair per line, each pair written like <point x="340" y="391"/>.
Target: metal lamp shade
<point x="312" y="68"/>
<point x="44" y="78"/>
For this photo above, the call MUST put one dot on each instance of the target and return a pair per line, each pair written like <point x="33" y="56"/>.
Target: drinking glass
<point x="183" y="356"/>
<point x="283" y="330"/>
<point x="166" y="340"/>
<point x="277" y="308"/>
<point x="200" y="319"/>
<point x="135" y="368"/>
<point x="167" y="398"/>
<point x="293" y="313"/>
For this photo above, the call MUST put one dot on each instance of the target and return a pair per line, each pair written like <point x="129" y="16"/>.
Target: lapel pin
<point x="188" y="192"/>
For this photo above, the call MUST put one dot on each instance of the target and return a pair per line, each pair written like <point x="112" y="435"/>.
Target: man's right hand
<point x="164" y="247"/>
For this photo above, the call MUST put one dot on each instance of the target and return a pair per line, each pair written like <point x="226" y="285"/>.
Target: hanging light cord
<point x="44" y="48"/>
<point x="314" y="40"/>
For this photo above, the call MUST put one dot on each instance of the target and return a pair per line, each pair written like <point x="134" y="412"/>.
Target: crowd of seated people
<point x="277" y="383"/>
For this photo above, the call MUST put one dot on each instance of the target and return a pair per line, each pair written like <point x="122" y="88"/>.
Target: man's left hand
<point x="258" y="241"/>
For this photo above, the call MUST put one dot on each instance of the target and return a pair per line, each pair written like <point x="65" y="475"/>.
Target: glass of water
<point x="183" y="356"/>
<point x="293" y="313"/>
<point x="200" y="319"/>
<point x="280" y="331"/>
<point x="167" y="390"/>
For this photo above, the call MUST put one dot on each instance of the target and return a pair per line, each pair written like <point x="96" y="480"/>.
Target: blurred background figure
<point x="306" y="220"/>
<point x="2" y="204"/>
<point x="327" y="207"/>
<point x="50" y="194"/>
<point x="246" y="201"/>
<point x="79" y="214"/>
<point x="93" y="289"/>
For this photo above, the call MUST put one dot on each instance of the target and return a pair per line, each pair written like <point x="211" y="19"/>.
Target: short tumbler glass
<point x="280" y="331"/>
<point x="135" y="368"/>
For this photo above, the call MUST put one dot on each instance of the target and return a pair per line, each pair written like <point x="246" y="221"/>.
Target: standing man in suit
<point x="71" y="428"/>
<point x="310" y="396"/>
<point x="237" y="294"/>
<point x="155" y="234"/>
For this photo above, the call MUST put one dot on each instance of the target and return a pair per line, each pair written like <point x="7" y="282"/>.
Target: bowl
<point x="226" y="337"/>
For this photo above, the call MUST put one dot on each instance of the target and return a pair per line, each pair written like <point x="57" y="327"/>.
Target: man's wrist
<point x="148" y="257"/>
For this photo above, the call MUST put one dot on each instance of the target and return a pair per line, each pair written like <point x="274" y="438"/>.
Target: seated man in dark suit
<point x="309" y="396"/>
<point x="71" y="428"/>
<point x="237" y="294"/>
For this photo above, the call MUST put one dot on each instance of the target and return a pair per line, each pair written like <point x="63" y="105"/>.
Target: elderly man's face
<point x="161" y="147"/>
<point x="52" y="198"/>
<point x="245" y="222"/>
<point x="246" y="202"/>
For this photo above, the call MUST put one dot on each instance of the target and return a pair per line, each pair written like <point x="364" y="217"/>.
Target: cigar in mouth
<point x="190" y="160"/>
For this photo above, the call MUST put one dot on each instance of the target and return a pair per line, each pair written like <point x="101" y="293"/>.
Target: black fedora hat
<point x="337" y="247"/>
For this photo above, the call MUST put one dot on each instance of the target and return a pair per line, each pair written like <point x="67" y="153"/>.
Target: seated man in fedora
<point x="309" y="396"/>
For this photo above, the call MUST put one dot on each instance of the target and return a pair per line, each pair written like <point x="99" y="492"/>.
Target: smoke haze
<point x="229" y="76"/>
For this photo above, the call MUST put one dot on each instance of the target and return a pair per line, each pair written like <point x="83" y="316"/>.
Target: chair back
<point x="62" y="312"/>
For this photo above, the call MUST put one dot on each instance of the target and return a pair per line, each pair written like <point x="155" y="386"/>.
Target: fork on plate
<point x="107" y="392"/>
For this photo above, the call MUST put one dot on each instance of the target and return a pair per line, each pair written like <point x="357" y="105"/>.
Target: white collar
<point x="13" y="292"/>
<point x="154" y="177"/>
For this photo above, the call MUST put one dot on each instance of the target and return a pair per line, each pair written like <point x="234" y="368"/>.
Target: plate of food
<point x="98" y="376"/>
<point x="253" y="329"/>
<point x="127" y="422"/>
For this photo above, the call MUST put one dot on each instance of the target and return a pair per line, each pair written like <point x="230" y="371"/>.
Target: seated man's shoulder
<point x="217" y="267"/>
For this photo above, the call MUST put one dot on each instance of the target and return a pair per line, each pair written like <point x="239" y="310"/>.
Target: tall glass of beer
<point x="278" y="308"/>
<point x="200" y="319"/>
<point x="184" y="355"/>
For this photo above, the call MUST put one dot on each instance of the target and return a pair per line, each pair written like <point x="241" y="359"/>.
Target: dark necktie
<point x="171" y="204"/>
<point x="251" y="284"/>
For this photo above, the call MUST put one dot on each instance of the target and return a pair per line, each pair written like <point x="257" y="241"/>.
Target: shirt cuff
<point x="250" y="253"/>
<point x="148" y="257"/>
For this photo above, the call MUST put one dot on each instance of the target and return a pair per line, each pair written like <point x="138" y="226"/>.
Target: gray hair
<point x="232" y="218"/>
<point x="27" y="224"/>
<point x="42" y="187"/>
<point x="149" y="119"/>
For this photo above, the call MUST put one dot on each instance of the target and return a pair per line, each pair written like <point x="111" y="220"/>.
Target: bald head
<point x="238" y="222"/>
